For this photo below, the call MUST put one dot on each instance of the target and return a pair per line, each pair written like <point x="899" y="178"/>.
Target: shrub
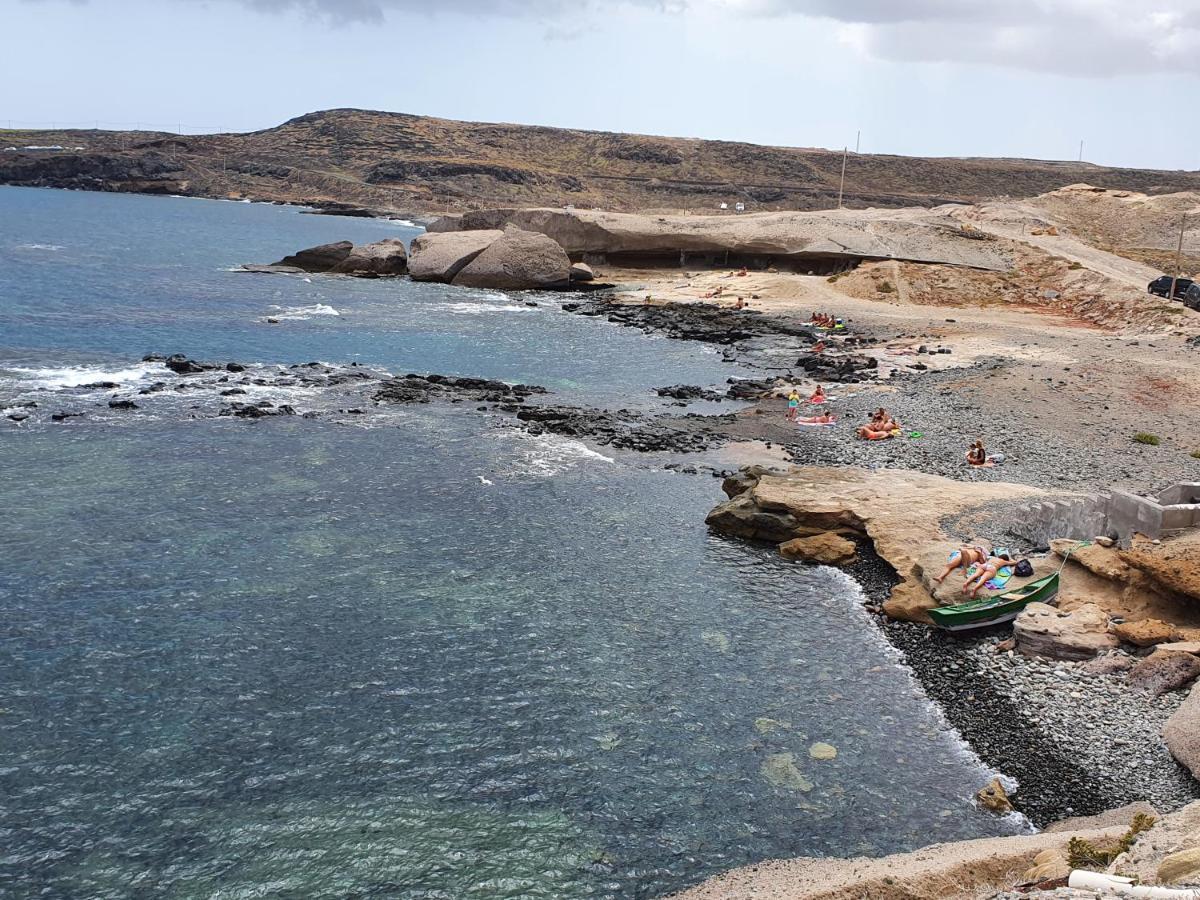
<point x="1083" y="854"/>
<point x="1075" y="265"/>
<point x="1195" y="454"/>
<point x="1143" y="438"/>
<point x="887" y="288"/>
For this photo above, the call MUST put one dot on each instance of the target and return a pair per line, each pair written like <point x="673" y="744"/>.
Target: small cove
<point x="434" y="658"/>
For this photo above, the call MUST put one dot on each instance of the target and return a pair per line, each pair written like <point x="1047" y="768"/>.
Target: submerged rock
<point x="821" y="750"/>
<point x="780" y="770"/>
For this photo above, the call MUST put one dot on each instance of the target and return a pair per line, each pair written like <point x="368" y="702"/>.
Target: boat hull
<point x="994" y="610"/>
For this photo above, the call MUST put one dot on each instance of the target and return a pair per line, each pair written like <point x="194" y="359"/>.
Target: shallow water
<point x="432" y="656"/>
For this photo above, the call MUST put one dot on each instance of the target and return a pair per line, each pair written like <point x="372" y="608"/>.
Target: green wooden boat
<point x="985" y="611"/>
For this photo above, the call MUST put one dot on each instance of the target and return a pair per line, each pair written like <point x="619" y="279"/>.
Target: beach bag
<point x="1024" y="569"/>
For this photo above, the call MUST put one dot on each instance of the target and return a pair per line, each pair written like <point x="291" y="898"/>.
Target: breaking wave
<point x="301" y="313"/>
<point x="547" y="455"/>
<point x="77" y="376"/>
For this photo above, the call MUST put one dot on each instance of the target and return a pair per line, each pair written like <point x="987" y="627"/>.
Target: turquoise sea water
<point x="428" y="656"/>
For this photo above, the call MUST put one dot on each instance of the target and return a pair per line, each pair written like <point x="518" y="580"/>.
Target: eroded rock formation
<point x="440" y="257"/>
<point x="386" y="257"/>
<point x="518" y="261"/>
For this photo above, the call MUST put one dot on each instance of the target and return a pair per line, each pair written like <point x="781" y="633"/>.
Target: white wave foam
<point x="76" y="376"/>
<point x="47" y="247"/>
<point x="301" y="313"/>
<point x="546" y="455"/>
<point x="475" y="309"/>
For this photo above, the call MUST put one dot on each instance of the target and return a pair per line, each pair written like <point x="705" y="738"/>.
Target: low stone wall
<point x="1119" y="515"/>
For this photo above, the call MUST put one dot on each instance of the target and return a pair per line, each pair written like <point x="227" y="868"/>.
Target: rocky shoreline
<point x="1077" y="743"/>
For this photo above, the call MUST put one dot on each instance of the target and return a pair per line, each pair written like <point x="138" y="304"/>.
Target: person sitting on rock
<point x="740" y="304"/>
<point x="985" y="572"/>
<point x="793" y="405"/>
<point x="819" y="347"/>
<point x="818" y="396"/>
<point x="963" y="558"/>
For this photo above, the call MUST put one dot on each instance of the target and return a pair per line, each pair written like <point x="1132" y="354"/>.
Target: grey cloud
<point x="1078" y="37"/>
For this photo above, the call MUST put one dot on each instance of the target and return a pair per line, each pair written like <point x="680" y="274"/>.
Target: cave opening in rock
<point x="802" y="264"/>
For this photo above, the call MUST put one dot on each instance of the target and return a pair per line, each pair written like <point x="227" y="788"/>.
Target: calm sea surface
<point x="428" y="656"/>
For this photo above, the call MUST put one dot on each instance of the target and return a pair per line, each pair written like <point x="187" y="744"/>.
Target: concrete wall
<point x="1118" y="515"/>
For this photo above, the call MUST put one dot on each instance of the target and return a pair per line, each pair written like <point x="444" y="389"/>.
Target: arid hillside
<point x="411" y="164"/>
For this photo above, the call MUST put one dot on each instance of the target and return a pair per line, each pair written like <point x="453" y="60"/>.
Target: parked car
<point x="1191" y="297"/>
<point x="1161" y="286"/>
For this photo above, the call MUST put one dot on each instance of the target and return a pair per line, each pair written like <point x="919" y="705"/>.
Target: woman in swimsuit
<point x="976" y="455"/>
<point x="962" y="558"/>
<point x="987" y="571"/>
<point x="822" y="419"/>
<point x="818" y="396"/>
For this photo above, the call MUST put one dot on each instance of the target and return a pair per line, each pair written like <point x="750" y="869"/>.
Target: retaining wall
<point x="1118" y="515"/>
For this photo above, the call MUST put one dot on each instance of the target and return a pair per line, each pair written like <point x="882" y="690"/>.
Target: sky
<point x="1009" y="78"/>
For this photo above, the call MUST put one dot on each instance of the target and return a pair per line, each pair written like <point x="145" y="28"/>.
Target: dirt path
<point x="1013" y="221"/>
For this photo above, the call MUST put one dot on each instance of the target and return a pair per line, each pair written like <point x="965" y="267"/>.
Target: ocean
<point x="414" y="652"/>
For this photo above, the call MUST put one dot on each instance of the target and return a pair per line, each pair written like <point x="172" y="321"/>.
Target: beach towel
<point x="817" y="424"/>
<point x="998" y="582"/>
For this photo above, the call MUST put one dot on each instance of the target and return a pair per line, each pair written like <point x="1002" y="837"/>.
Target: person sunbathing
<point x="871" y="433"/>
<point x="822" y="419"/>
<point x="881" y="426"/>
<point x="985" y="572"/>
<point x="819" y="347"/>
<point x="818" y="396"/>
<point x="963" y="558"/>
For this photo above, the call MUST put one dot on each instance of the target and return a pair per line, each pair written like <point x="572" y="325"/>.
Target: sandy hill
<point x="406" y="163"/>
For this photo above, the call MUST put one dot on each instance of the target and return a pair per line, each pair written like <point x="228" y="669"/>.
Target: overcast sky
<point x="924" y="77"/>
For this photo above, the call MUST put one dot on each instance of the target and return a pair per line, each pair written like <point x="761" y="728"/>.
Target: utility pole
<point x="1178" y="258"/>
<point x="857" y="138"/>
<point x="842" y="185"/>
<point x="1081" y="151"/>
